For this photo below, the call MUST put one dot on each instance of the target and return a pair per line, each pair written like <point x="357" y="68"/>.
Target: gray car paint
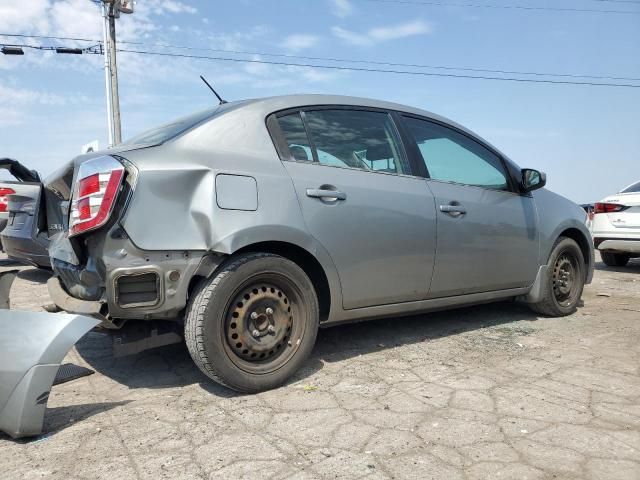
<point x="175" y="180"/>
<point x="21" y="238"/>
<point x="376" y="265"/>
<point x="490" y="247"/>
<point x="32" y="346"/>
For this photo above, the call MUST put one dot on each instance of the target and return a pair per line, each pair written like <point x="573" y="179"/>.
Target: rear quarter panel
<point x="174" y="204"/>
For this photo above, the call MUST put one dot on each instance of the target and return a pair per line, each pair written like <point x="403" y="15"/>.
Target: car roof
<point x="284" y="102"/>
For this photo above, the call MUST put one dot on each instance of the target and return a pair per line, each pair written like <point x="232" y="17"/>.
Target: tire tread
<point x="547" y="305"/>
<point x="195" y="315"/>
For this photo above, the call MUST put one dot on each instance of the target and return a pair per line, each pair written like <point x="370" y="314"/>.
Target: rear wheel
<point x="253" y="323"/>
<point x="614" y="259"/>
<point x="564" y="280"/>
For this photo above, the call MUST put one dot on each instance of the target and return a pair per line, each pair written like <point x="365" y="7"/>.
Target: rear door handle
<point x="453" y="209"/>
<point x="325" y="193"/>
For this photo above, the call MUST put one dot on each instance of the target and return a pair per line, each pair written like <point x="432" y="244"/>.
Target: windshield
<point x="633" y="188"/>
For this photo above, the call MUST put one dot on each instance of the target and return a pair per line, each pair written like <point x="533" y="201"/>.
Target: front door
<point x="487" y="232"/>
<point x="362" y="203"/>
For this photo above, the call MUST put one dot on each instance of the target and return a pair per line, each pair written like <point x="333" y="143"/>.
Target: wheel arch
<point x="289" y="242"/>
<point x="586" y="248"/>
<point x="306" y="261"/>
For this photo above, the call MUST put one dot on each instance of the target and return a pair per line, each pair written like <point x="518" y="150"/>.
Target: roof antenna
<point x="214" y="92"/>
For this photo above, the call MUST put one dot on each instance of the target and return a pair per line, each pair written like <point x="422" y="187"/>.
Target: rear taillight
<point x="608" y="208"/>
<point x="4" y="200"/>
<point x="94" y="194"/>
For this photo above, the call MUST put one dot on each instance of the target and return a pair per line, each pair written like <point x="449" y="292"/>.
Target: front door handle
<point x="326" y="194"/>
<point x="454" y="209"/>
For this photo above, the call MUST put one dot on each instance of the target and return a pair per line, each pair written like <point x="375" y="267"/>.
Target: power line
<point x="347" y="60"/>
<point x="49" y="37"/>
<point x="506" y="7"/>
<point x="379" y="70"/>
<point x="633" y="2"/>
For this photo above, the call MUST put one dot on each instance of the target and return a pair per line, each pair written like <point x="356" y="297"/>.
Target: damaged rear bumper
<point x="70" y="304"/>
<point x="115" y="280"/>
<point x="32" y="347"/>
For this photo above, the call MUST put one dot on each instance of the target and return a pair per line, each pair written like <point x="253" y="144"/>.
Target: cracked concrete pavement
<point x="491" y="391"/>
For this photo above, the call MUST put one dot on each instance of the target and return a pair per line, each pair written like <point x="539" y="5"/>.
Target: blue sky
<point x="587" y="139"/>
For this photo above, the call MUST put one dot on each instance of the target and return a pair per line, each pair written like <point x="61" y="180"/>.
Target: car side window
<point x="452" y="157"/>
<point x="356" y="139"/>
<point x="295" y="136"/>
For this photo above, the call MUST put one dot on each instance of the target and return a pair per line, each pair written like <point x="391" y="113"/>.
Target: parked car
<point x="19" y="205"/>
<point x="616" y="226"/>
<point x="257" y="221"/>
<point x="23" y="229"/>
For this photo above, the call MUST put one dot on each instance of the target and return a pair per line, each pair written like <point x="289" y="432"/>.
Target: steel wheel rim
<point x="565" y="281"/>
<point x="255" y="339"/>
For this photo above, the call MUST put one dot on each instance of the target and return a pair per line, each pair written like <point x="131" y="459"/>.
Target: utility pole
<point x="107" y="68"/>
<point x="111" y="10"/>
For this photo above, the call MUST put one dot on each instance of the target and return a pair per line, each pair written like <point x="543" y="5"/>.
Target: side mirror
<point x="532" y="179"/>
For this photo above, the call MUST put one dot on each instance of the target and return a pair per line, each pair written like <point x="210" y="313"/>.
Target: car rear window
<point x="635" y="188"/>
<point x="172" y="129"/>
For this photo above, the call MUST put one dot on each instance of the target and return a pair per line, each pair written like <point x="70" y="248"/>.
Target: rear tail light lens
<point x="4" y="200"/>
<point x="608" y="208"/>
<point x="94" y="194"/>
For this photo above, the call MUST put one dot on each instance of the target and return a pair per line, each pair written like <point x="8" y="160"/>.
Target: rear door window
<point x="295" y="136"/>
<point x="361" y="139"/>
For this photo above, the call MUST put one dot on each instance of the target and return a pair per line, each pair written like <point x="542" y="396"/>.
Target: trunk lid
<point x="628" y="218"/>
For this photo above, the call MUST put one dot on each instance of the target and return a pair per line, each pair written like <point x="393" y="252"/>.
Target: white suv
<point x="616" y="226"/>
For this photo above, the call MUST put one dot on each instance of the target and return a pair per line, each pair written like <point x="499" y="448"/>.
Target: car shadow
<point x="35" y="275"/>
<point x="172" y="366"/>
<point x="632" y="267"/>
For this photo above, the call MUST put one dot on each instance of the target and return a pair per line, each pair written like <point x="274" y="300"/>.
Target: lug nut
<point x="255" y="333"/>
<point x="269" y="311"/>
<point x="254" y="315"/>
<point x="272" y="329"/>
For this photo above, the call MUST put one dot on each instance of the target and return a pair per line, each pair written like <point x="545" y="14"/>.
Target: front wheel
<point x="564" y="280"/>
<point x="614" y="259"/>
<point x="253" y="323"/>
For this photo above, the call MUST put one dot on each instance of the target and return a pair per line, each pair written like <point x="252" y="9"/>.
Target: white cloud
<point x="176" y="7"/>
<point x="382" y="34"/>
<point x="22" y="96"/>
<point x="75" y="18"/>
<point x="299" y="42"/>
<point x="417" y="27"/>
<point x="20" y="105"/>
<point x="351" y="37"/>
<point x="19" y="16"/>
<point x="341" y="8"/>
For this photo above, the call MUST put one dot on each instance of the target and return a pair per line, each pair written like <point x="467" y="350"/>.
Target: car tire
<point x="614" y="259"/>
<point x="252" y="324"/>
<point x="564" y="280"/>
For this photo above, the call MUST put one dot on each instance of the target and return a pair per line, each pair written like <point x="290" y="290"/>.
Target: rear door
<point x="487" y="232"/>
<point x="361" y="200"/>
